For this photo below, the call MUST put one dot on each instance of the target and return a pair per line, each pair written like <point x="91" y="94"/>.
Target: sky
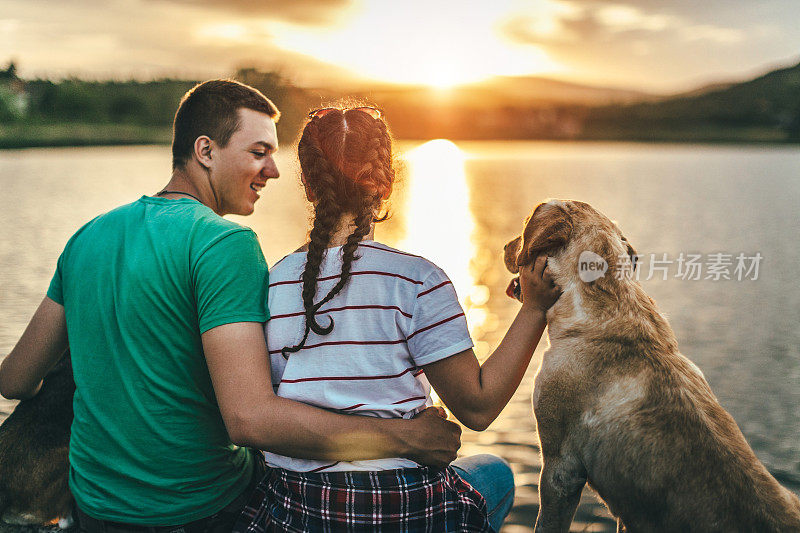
<point x="652" y="45"/>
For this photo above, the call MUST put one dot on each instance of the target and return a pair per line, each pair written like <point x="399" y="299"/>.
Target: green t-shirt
<point x="139" y="285"/>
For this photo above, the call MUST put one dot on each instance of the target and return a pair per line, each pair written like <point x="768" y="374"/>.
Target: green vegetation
<point x="88" y="102"/>
<point x="80" y="134"/>
<point x="76" y="112"/>
<point x="79" y="112"/>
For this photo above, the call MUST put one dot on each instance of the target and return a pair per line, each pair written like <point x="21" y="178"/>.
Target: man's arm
<point x="41" y="345"/>
<point x="255" y="416"/>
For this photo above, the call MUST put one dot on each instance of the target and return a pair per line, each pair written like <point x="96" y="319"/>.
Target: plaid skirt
<point x="406" y="500"/>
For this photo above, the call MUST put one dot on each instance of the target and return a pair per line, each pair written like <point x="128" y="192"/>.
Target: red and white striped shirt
<point x="397" y="313"/>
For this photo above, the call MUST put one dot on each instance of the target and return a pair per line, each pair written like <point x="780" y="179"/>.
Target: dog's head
<point x="581" y="243"/>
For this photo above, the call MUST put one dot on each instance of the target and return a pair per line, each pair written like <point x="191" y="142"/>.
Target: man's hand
<point x="432" y="440"/>
<point x="539" y="291"/>
<point x="238" y="363"/>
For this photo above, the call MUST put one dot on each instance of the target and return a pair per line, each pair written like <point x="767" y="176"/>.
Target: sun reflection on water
<point x="440" y="225"/>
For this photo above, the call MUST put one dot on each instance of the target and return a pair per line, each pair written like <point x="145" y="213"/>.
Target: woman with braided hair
<point x="365" y="329"/>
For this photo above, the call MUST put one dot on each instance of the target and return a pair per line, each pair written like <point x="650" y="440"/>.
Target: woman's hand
<point x="539" y="291"/>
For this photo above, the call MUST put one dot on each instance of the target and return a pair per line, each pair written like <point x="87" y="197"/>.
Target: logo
<point x="591" y="266"/>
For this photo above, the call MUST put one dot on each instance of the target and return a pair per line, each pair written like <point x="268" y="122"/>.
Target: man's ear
<point x="202" y="150"/>
<point x="548" y="228"/>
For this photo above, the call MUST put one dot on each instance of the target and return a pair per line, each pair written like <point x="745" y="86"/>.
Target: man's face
<point x="241" y="169"/>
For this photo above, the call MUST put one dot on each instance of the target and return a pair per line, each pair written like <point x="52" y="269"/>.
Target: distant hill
<point x="498" y="91"/>
<point x="501" y="107"/>
<point x="704" y="89"/>
<point x="517" y="90"/>
<point x="74" y="112"/>
<point x="766" y="108"/>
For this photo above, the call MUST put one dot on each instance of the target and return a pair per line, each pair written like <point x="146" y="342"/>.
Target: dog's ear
<point x="549" y="227"/>
<point x="510" y="254"/>
<point x="631" y="253"/>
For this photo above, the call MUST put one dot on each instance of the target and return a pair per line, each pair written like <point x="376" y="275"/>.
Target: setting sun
<point x="442" y="76"/>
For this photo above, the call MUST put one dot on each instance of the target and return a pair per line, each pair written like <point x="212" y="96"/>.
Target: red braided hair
<point x="346" y="160"/>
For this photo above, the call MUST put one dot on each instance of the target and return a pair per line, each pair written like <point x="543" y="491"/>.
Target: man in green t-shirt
<point x="164" y="302"/>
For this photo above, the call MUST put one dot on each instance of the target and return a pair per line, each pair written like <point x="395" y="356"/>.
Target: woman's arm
<point x="477" y="393"/>
<point x="255" y="416"/>
<point x="41" y="345"/>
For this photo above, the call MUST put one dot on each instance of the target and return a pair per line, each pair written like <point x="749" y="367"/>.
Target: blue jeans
<point x="492" y="477"/>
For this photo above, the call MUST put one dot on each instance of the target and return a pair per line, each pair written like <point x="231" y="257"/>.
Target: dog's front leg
<point x="560" y="485"/>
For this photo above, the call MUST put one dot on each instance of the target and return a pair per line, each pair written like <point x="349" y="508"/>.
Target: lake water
<point x="459" y="203"/>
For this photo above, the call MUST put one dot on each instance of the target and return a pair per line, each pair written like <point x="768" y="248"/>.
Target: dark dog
<point x="34" y="449"/>
<point x="618" y="406"/>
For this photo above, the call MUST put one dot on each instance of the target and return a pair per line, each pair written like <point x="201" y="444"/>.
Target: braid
<point x="325" y="220"/>
<point x="363" y="224"/>
<point x="326" y="217"/>
<point x="386" y="161"/>
<point x="346" y="159"/>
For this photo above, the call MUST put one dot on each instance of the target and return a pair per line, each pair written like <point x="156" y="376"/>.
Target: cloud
<point x="706" y="32"/>
<point x="655" y="43"/>
<point x="601" y="21"/>
<point x="739" y="14"/>
<point x="621" y="17"/>
<point x="150" y="40"/>
<point x="640" y="43"/>
<point x="303" y="12"/>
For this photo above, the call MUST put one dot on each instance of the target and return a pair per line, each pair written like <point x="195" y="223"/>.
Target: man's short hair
<point x="212" y="108"/>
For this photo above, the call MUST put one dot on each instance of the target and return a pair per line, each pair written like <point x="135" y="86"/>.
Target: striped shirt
<point x="397" y="313"/>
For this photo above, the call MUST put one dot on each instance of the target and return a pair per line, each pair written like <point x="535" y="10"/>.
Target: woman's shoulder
<point x="400" y="261"/>
<point x="286" y="267"/>
<point x="373" y="256"/>
<point x="386" y="253"/>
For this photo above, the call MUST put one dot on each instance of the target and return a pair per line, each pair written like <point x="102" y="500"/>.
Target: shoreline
<point x="162" y="138"/>
<point x="22" y="136"/>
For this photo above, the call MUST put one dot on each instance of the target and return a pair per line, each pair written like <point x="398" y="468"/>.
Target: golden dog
<point x="34" y="448"/>
<point x="619" y="407"/>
